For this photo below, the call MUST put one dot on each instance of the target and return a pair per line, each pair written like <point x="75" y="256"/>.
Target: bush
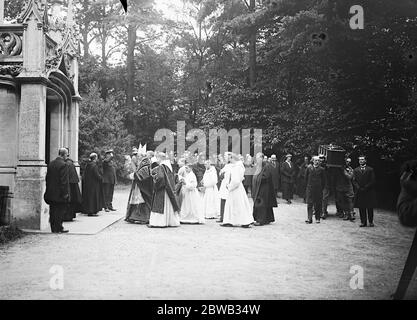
<point x="10" y="233"/>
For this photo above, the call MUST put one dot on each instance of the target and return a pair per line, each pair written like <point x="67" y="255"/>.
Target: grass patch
<point x="10" y="233"/>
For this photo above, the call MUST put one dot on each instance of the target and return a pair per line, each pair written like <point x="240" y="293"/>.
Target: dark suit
<point x="109" y="180"/>
<point x="315" y="180"/>
<point x="287" y="180"/>
<point x="57" y="192"/>
<point x="365" y="196"/>
<point x="275" y="172"/>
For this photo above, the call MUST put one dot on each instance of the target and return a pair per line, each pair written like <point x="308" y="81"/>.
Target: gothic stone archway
<point x="38" y="105"/>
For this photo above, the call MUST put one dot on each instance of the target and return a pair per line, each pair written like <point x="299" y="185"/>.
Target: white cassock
<point x="191" y="209"/>
<point x="237" y="210"/>
<point x="211" y="199"/>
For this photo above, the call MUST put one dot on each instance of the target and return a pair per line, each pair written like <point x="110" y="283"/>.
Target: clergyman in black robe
<point x="92" y="194"/>
<point x="140" y="197"/>
<point x="164" y="208"/>
<point x="75" y="194"/>
<point x="263" y="192"/>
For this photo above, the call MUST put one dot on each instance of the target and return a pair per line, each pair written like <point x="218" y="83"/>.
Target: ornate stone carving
<point x="52" y="61"/>
<point x="12" y="70"/>
<point x="10" y="44"/>
<point x="57" y="24"/>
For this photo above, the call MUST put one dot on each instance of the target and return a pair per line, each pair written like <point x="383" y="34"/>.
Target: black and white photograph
<point x="208" y="150"/>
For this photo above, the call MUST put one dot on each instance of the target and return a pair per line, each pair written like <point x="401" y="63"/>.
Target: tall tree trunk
<point x="86" y="46"/>
<point x="84" y="31"/>
<point x="104" y="35"/>
<point x="252" y="50"/>
<point x="130" y="64"/>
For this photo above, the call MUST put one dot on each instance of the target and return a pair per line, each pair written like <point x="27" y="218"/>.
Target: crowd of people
<point x="63" y="192"/>
<point x="219" y="187"/>
<point x="168" y="190"/>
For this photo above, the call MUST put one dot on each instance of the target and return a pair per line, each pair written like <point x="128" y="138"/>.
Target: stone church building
<point x="39" y="104"/>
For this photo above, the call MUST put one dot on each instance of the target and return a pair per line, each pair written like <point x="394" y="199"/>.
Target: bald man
<point x="57" y="193"/>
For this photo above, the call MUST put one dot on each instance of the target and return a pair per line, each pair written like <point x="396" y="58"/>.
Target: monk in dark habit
<point x="93" y="201"/>
<point x="263" y="192"/>
<point x="75" y="203"/>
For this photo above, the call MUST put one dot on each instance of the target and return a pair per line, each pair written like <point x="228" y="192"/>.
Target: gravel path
<point x="285" y="260"/>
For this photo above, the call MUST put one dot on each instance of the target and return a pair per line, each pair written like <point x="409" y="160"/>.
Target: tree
<point x="102" y="127"/>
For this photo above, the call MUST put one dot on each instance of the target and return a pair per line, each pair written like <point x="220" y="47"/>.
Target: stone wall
<point x="8" y="142"/>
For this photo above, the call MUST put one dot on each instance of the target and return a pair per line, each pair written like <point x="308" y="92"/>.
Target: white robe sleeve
<point x="190" y="181"/>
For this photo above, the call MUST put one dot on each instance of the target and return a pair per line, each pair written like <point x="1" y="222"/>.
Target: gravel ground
<point x="285" y="260"/>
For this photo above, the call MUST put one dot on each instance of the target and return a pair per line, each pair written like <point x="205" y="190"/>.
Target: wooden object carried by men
<point x="335" y="155"/>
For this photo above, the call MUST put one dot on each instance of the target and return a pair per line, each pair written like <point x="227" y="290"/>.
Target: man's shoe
<point x="309" y="221"/>
<point x="317" y="221"/>
<point x="64" y="231"/>
<point x="371" y="225"/>
<point x="362" y="225"/>
<point x="93" y="215"/>
<point x="246" y="226"/>
<point x="113" y="209"/>
<point x="226" y="225"/>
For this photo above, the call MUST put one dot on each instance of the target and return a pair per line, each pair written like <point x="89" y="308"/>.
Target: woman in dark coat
<point x="263" y="194"/>
<point x="93" y="200"/>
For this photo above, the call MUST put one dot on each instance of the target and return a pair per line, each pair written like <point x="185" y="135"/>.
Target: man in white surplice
<point x="237" y="209"/>
<point x="211" y="199"/>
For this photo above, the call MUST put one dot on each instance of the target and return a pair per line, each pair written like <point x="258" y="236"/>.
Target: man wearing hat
<point x="287" y="178"/>
<point x="275" y="171"/>
<point x="109" y="180"/>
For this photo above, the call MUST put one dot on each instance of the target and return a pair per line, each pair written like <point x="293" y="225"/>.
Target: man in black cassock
<point x="263" y="192"/>
<point x="74" y="205"/>
<point x="92" y="195"/>
<point x="57" y="191"/>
